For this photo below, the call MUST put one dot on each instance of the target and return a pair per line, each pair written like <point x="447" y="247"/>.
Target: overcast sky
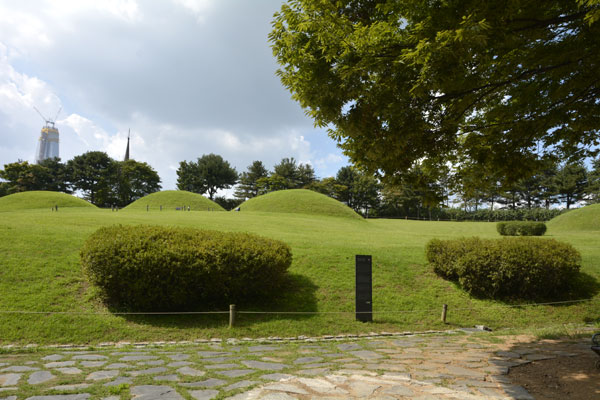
<point x="188" y="77"/>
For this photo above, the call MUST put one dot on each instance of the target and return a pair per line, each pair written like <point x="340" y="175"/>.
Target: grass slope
<point x="582" y="219"/>
<point x="171" y="199"/>
<point x="40" y="199"/>
<point x="40" y="271"/>
<point x="298" y="201"/>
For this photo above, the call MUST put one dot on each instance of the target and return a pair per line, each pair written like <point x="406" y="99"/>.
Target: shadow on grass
<point x="296" y="295"/>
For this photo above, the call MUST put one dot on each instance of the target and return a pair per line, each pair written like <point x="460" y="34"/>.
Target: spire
<point x="127" y="150"/>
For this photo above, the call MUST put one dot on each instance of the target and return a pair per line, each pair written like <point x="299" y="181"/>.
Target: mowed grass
<point x="298" y="201"/>
<point x="582" y="219"/>
<point x="173" y="199"/>
<point x="40" y="199"/>
<point x="40" y="272"/>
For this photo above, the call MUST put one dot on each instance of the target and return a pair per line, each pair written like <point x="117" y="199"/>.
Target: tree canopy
<point x="207" y="175"/>
<point x="402" y="84"/>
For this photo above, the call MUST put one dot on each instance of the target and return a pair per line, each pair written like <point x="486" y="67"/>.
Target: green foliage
<point x="152" y="268"/>
<point x="94" y="173"/>
<point x="521" y="228"/>
<point x="508" y="85"/>
<point x="207" y="175"/>
<point x="288" y="174"/>
<point x="40" y="199"/>
<point x="49" y="175"/>
<point x="248" y="183"/>
<point x="508" y="268"/>
<point x="173" y="199"/>
<point x="135" y="180"/>
<point x="298" y="201"/>
<point x="572" y="183"/>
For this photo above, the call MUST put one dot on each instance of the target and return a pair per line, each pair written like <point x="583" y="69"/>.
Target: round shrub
<point x="154" y="268"/>
<point x="508" y="268"/>
<point x="521" y="228"/>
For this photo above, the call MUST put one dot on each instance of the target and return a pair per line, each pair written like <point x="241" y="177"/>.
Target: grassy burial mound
<point x="173" y="199"/>
<point x="298" y="201"/>
<point x="40" y="199"/>
<point x="582" y="219"/>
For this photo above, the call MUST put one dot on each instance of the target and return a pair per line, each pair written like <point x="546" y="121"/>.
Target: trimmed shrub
<point x="507" y="268"/>
<point x="521" y="228"/>
<point x="153" y="268"/>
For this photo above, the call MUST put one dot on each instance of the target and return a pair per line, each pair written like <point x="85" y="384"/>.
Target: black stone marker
<point x="364" y="289"/>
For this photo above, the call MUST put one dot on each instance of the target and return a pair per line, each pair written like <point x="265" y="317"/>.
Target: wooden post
<point x="231" y="315"/>
<point x="444" y="311"/>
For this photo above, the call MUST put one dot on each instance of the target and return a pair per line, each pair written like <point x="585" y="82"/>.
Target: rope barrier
<point x="292" y="312"/>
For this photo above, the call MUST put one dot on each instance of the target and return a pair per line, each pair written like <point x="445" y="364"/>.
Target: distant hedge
<point x="507" y="268"/>
<point x="521" y="228"/>
<point x="484" y="214"/>
<point x="153" y="268"/>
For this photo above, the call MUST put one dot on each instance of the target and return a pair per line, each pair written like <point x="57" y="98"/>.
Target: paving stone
<point x="190" y="371"/>
<point x="149" y="371"/>
<point x="9" y="398"/>
<point x="112" y="398"/>
<point x="276" y="377"/>
<point x="208" y="354"/>
<point x="212" y="382"/>
<point x="221" y="366"/>
<point x="170" y="378"/>
<point x="363" y="389"/>
<point x="119" y="381"/>
<point x="272" y="359"/>
<point x="219" y="359"/>
<point x="516" y="392"/>
<point x="72" y="387"/>
<point x="539" y="357"/>
<point x="366" y="354"/>
<point x="254" y="349"/>
<point x="118" y="366"/>
<point x="239" y="385"/>
<point x="398" y="390"/>
<point x="234" y="373"/>
<point x="152" y="362"/>
<point x="138" y="358"/>
<point x="101" y="375"/>
<point x="178" y="357"/>
<point x="151" y="392"/>
<point x="313" y="371"/>
<point x="53" y="357"/>
<point x="19" y="368"/>
<point x="178" y="364"/>
<point x="264" y="365"/>
<point x="204" y="394"/>
<point x="492" y="393"/>
<point x="278" y="396"/>
<point x="306" y="360"/>
<point x="508" y="354"/>
<point x="9" y="379"/>
<point x="59" y="364"/>
<point x="348" y="346"/>
<point x="321" y="386"/>
<point x="89" y="357"/>
<point x="40" y="377"/>
<point x="128" y="353"/>
<point x="285" y="387"/>
<point x="459" y="371"/>
<point x="69" y="371"/>
<point x="92" y="364"/>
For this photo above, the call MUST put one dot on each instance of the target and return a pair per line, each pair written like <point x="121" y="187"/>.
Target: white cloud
<point x="198" y="8"/>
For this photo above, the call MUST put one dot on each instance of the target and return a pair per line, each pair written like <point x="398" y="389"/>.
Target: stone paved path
<point x="391" y="367"/>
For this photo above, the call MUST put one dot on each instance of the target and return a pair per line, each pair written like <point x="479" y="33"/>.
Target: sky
<point x="187" y="77"/>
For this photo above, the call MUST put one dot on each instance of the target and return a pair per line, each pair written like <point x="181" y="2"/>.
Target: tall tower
<point x="127" y="150"/>
<point x="47" y="146"/>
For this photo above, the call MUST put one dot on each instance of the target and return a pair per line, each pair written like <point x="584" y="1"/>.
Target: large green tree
<point x="135" y="180"/>
<point x="95" y="174"/>
<point x="207" y="175"/>
<point x="248" y="184"/>
<point x="21" y="176"/>
<point x="507" y="84"/>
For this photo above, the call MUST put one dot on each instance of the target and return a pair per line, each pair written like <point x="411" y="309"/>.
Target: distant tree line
<point x="466" y="193"/>
<point x="102" y="181"/>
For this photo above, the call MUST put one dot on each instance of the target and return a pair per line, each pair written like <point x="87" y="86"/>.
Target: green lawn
<point x="40" y="271"/>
